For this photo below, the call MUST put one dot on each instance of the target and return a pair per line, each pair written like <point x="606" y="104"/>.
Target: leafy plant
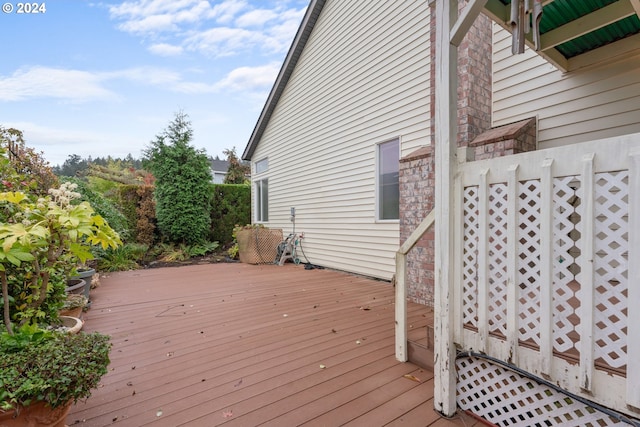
<point x="122" y="258"/>
<point x="54" y="367"/>
<point x="40" y="245"/>
<point x="201" y="249"/>
<point x="74" y="301"/>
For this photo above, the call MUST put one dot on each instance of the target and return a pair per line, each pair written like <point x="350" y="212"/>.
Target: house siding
<point x="362" y="79"/>
<point x="594" y="103"/>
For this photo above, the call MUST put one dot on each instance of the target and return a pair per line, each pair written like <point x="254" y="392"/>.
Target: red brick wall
<point x="417" y="170"/>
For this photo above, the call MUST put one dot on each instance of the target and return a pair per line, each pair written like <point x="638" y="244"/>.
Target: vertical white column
<point x="402" y="354"/>
<point x="546" y="266"/>
<point x="483" y="261"/>
<point x="633" y="295"/>
<point x="586" y="275"/>
<point x="513" y="289"/>
<point x="445" y="145"/>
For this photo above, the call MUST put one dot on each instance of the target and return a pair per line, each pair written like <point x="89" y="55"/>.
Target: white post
<point x="445" y="146"/>
<point x="586" y="275"/>
<point x="402" y="354"/>
<point x="483" y="261"/>
<point x="546" y="267"/>
<point x="633" y="289"/>
<point x="513" y="288"/>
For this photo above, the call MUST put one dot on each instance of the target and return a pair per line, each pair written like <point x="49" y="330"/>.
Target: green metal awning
<point x="580" y="33"/>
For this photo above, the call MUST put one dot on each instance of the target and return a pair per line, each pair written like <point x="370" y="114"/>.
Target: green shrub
<point x="54" y="367"/>
<point x="127" y="257"/>
<point x="230" y="205"/>
<point x="183" y="176"/>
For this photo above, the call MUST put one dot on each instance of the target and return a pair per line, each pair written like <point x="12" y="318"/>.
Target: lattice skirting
<point x="507" y="398"/>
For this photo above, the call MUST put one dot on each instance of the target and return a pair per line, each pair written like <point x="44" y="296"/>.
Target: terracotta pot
<point x="38" y="414"/>
<point x="71" y="312"/>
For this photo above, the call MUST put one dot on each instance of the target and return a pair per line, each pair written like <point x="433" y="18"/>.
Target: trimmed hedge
<point x="230" y="205"/>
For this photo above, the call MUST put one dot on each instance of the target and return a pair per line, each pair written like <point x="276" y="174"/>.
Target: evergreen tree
<point x="183" y="177"/>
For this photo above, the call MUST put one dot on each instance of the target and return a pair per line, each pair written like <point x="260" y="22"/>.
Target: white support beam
<point x="402" y="353"/>
<point x="546" y="267"/>
<point x="586" y="277"/>
<point x="465" y="21"/>
<point x="636" y="6"/>
<point x="633" y="280"/>
<point x="590" y="22"/>
<point x="446" y="149"/>
<point x="513" y="285"/>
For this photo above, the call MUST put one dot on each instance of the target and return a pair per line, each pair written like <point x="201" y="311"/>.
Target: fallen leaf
<point x="412" y="378"/>
<point x="159" y="413"/>
<point x="358" y="342"/>
<point x="322" y="366"/>
<point x="238" y="383"/>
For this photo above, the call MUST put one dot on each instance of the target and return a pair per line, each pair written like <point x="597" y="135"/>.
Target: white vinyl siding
<point x="584" y="105"/>
<point x="363" y="78"/>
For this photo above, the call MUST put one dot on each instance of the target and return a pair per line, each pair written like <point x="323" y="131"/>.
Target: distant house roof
<point x="219" y="165"/>
<point x="302" y="36"/>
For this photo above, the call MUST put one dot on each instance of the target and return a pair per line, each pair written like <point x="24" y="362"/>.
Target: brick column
<point x="417" y="174"/>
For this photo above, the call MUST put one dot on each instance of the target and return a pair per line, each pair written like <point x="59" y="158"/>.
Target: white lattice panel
<point x="497" y="309"/>
<point x="565" y="219"/>
<point x="470" y="257"/>
<point x="611" y="267"/>
<point x="528" y="259"/>
<point x="506" y="398"/>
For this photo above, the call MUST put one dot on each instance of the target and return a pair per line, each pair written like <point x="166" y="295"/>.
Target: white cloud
<point x="255" y="18"/>
<point x="43" y="82"/>
<point x="226" y="11"/>
<point x="250" y="78"/>
<point x="57" y="143"/>
<point x="222" y="41"/>
<point x="214" y="29"/>
<point x="165" y="49"/>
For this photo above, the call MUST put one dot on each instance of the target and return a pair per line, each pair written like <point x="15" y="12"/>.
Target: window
<point x="261" y="166"/>
<point x="262" y="200"/>
<point x="389" y="180"/>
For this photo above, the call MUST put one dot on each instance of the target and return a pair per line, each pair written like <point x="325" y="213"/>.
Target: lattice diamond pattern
<point x="470" y="257"/>
<point x="565" y="232"/>
<point x="528" y="258"/>
<point x="611" y="267"/>
<point x="497" y="258"/>
<point x="506" y="398"/>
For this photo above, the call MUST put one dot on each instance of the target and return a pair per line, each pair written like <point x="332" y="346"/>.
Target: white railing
<point x="548" y="265"/>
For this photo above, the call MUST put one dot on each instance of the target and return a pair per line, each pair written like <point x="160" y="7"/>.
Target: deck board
<point x="245" y="345"/>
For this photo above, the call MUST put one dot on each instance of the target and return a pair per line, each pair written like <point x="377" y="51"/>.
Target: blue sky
<point x="98" y="78"/>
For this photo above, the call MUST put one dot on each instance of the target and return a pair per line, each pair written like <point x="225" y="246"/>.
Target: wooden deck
<point x="245" y="345"/>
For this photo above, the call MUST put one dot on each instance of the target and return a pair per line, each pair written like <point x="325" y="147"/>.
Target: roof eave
<point x="299" y="42"/>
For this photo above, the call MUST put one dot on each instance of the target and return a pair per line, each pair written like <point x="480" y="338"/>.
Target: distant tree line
<point x="75" y="165"/>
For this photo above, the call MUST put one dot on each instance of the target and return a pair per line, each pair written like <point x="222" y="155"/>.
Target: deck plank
<point x="243" y="345"/>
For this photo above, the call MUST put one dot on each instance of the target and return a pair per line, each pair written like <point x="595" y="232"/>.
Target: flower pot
<point x="71" y="312"/>
<point x="38" y="414"/>
<point x="71" y="324"/>
<point x="75" y="286"/>
<point x="86" y="275"/>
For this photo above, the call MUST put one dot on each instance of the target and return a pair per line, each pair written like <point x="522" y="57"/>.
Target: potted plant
<point x="73" y="305"/>
<point x="40" y="377"/>
<point x="41" y="240"/>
